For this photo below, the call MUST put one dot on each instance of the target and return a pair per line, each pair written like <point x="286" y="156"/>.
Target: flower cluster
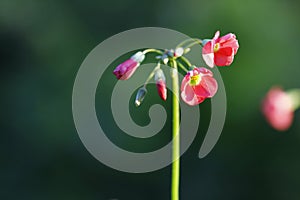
<point x="199" y="82"/>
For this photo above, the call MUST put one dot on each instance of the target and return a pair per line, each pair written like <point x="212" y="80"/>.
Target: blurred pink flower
<point x="125" y="70"/>
<point x="198" y="85"/>
<point x="277" y="108"/>
<point x="220" y="51"/>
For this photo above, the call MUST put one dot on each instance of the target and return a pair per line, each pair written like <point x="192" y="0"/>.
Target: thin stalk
<point x="194" y="43"/>
<point x="153" y="51"/>
<point x="184" y="59"/>
<point x="175" y="133"/>
<point x="152" y="74"/>
<point x="182" y="67"/>
<point x="187" y="41"/>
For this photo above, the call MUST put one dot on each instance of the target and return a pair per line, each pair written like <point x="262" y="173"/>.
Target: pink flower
<point x="198" y="85"/>
<point x="220" y="51"/>
<point x="277" y="108"/>
<point x="125" y="70"/>
<point x="161" y="84"/>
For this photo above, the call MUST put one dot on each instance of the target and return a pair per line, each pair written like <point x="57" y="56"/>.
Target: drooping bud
<point x="160" y="80"/>
<point x="138" y="57"/>
<point x="126" y="69"/>
<point x="141" y="93"/>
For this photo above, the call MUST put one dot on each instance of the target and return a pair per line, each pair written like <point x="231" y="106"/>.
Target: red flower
<point x="220" y="51"/>
<point x="198" y="85"/>
<point x="125" y="70"/>
<point x="161" y="84"/>
<point x="277" y="107"/>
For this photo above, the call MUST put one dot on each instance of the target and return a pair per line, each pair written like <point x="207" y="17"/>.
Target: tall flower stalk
<point x="197" y="85"/>
<point x="175" y="134"/>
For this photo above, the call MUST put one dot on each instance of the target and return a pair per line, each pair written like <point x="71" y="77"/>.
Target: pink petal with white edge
<point x="204" y="71"/>
<point x="187" y="93"/>
<point x="227" y="37"/>
<point x="208" y="53"/>
<point x="208" y="47"/>
<point x="209" y="59"/>
<point x="191" y="101"/>
<point x="185" y="81"/>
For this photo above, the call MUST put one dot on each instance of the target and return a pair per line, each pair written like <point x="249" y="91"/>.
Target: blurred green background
<point x="42" y="45"/>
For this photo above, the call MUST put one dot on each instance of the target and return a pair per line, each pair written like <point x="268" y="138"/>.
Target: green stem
<point x="187" y="41"/>
<point x="194" y="43"/>
<point x="175" y="133"/>
<point x="184" y="59"/>
<point x="153" y="51"/>
<point x="152" y="74"/>
<point x="182" y="67"/>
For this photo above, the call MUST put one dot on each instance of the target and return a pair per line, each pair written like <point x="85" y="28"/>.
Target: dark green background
<point x="42" y="45"/>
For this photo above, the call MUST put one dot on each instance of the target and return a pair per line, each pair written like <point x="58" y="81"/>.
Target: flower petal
<point x="233" y="43"/>
<point x="191" y="101"/>
<point x="224" y="57"/>
<point x="208" y="53"/>
<point x="185" y="81"/>
<point x="188" y="92"/>
<point x="209" y="59"/>
<point x="217" y="35"/>
<point x="227" y="37"/>
<point x="204" y="71"/>
<point x="207" y="87"/>
<point x="208" y="48"/>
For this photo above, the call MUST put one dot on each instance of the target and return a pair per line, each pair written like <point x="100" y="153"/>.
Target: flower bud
<point x="141" y="93"/>
<point x="138" y="57"/>
<point x="126" y="69"/>
<point x="161" y="84"/>
<point x="165" y="58"/>
<point x="178" y="52"/>
<point x="159" y="74"/>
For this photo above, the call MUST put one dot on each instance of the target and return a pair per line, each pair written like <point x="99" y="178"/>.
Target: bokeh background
<point x="42" y="45"/>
